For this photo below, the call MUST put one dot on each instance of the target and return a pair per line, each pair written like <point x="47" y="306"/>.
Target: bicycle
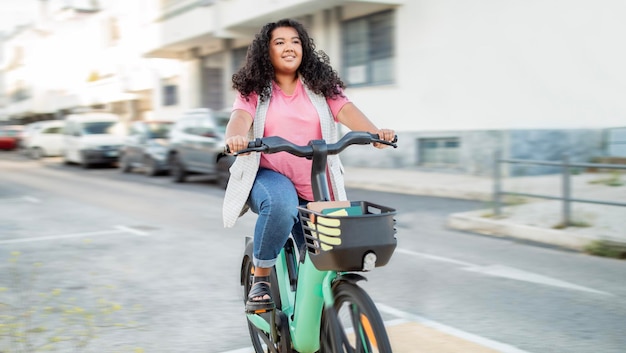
<point x="319" y="307"/>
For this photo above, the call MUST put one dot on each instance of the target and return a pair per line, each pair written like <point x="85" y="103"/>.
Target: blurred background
<point x="458" y="80"/>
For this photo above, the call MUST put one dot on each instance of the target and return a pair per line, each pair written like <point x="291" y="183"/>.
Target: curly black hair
<point x="257" y="73"/>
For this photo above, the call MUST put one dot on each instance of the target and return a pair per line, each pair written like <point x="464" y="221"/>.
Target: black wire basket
<point x="358" y="237"/>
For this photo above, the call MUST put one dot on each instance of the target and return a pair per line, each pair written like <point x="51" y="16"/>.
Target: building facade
<point x="458" y="80"/>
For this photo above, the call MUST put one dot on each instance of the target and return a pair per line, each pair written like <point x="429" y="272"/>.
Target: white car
<point x="92" y="138"/>
<point x="44" y="140"/>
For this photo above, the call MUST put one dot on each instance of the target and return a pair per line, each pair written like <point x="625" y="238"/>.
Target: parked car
<point x="92" y="138"/>
<point x="28" y="131"/>
<point x="197" y="146"/>
<point x="43" y="139"/>
<point x="146" y="147"/>
<point x="10" y="136"/>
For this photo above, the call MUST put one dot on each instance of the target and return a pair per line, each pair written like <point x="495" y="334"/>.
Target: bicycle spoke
<point x="356" y="326"/>
<point x="368" y="336"/>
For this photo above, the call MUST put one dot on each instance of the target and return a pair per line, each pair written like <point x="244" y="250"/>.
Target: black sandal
<point x="260" y="288"/>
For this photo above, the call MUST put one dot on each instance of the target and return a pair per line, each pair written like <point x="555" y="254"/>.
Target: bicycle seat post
<point x="319" y="182"/>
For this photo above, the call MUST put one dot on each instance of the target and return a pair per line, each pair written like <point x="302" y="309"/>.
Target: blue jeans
<point x="274" y="199"/>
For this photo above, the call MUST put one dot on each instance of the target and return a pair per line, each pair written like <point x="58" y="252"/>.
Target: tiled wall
<point x="478" y="148"/>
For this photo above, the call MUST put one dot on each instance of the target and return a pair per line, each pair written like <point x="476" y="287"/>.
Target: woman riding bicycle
<point x="286" y="88"/>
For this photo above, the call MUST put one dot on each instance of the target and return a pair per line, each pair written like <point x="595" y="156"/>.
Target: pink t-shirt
<point x="294" y="118"/>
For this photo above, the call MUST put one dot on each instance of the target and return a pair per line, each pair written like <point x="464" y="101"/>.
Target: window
<point x="52" y="130"/>
<point x="206" y="128"/>
<point x="111" y="31"/>
<point x="187" y="125"/>
<point x="158" y="129"/>
<point x="439" y="151"/>
<point x="368" y="44"/>
<point x="239" y="58"/>
<point x="98" y="127"/>
<point x="170" y="92"/>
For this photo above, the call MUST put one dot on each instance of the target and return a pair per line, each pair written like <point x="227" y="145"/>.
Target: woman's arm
<point x="355" y="120"/>
<point x="237" y="130"/>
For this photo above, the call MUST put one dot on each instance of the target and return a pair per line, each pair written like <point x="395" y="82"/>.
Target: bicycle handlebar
<point x="274" y="144"/>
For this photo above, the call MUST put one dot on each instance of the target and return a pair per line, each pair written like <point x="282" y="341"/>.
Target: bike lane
<point x="413" y="337"/>
<point x="428" y="336"/>
<point x="411" y="333"/>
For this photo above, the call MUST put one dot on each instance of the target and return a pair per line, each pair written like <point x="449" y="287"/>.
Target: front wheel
<point x="357" y="327"/>
<point x="36" y="153"/>
<point x="84" y="162"/>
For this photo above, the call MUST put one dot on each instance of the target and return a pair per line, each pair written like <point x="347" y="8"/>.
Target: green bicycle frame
<point x="303" y="307"/>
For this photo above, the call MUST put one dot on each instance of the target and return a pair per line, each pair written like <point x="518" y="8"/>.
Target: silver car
<point x="146" y="148"/>
<point x="197" y="146"/>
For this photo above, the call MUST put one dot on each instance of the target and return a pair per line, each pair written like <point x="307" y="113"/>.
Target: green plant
<point x="579" y="224"/>
<point x="615" y="179"/>
<point x="576" y="171"/>
<point x="37" y="321"/>
<point x="607" y="248"/>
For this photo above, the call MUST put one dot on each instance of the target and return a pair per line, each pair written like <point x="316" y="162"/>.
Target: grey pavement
<point x="533" y="219"/>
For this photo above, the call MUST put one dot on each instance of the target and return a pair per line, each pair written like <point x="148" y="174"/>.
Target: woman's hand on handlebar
<point x="385" y="135"/>
<point x="236" y="143"/>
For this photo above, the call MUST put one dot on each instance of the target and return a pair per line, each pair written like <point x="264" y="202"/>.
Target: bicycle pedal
<point x="261" y="309"/>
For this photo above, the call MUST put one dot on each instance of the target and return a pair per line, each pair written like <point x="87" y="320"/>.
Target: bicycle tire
<point x="261" y="341"/>
<point x="360" y="326"/>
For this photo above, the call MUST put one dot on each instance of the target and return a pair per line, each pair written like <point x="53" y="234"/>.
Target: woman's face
<point x="285" y="50"/>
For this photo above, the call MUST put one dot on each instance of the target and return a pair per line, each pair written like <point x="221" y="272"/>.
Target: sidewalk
<point x="531" y="219"/>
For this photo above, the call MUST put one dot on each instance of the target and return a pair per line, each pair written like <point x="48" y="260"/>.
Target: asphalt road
<point x="128" y="263"/>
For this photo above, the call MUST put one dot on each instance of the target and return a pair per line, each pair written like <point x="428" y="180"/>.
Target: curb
<point x="471" y="221"/>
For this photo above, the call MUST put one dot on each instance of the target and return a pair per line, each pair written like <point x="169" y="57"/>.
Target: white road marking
<point x="434" y="257"/>
<point x="506" y="272"/>
<point x="119" y="229"/>
<point x="23" y="198"/>
<point x="132" y="230"/>
<point x="31" y="199"/>
<point x="513" y="273"/>
<point x="498" y="346"/>
<point x="241" y="350"/>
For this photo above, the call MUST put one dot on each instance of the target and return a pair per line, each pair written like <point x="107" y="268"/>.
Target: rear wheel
<point x="177" y="169"/>
<point x="150" y="166"/>
<point x="66" y="159"/>
<point x="124" y="164"/>
<point x="359" y="327"/>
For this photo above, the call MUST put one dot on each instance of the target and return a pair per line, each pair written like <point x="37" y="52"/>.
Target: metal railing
<point x="566" y="186"/>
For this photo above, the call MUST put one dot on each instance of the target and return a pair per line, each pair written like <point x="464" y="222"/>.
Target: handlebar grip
<point x="392" y="143"/>
<point x="254" y="145"/>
